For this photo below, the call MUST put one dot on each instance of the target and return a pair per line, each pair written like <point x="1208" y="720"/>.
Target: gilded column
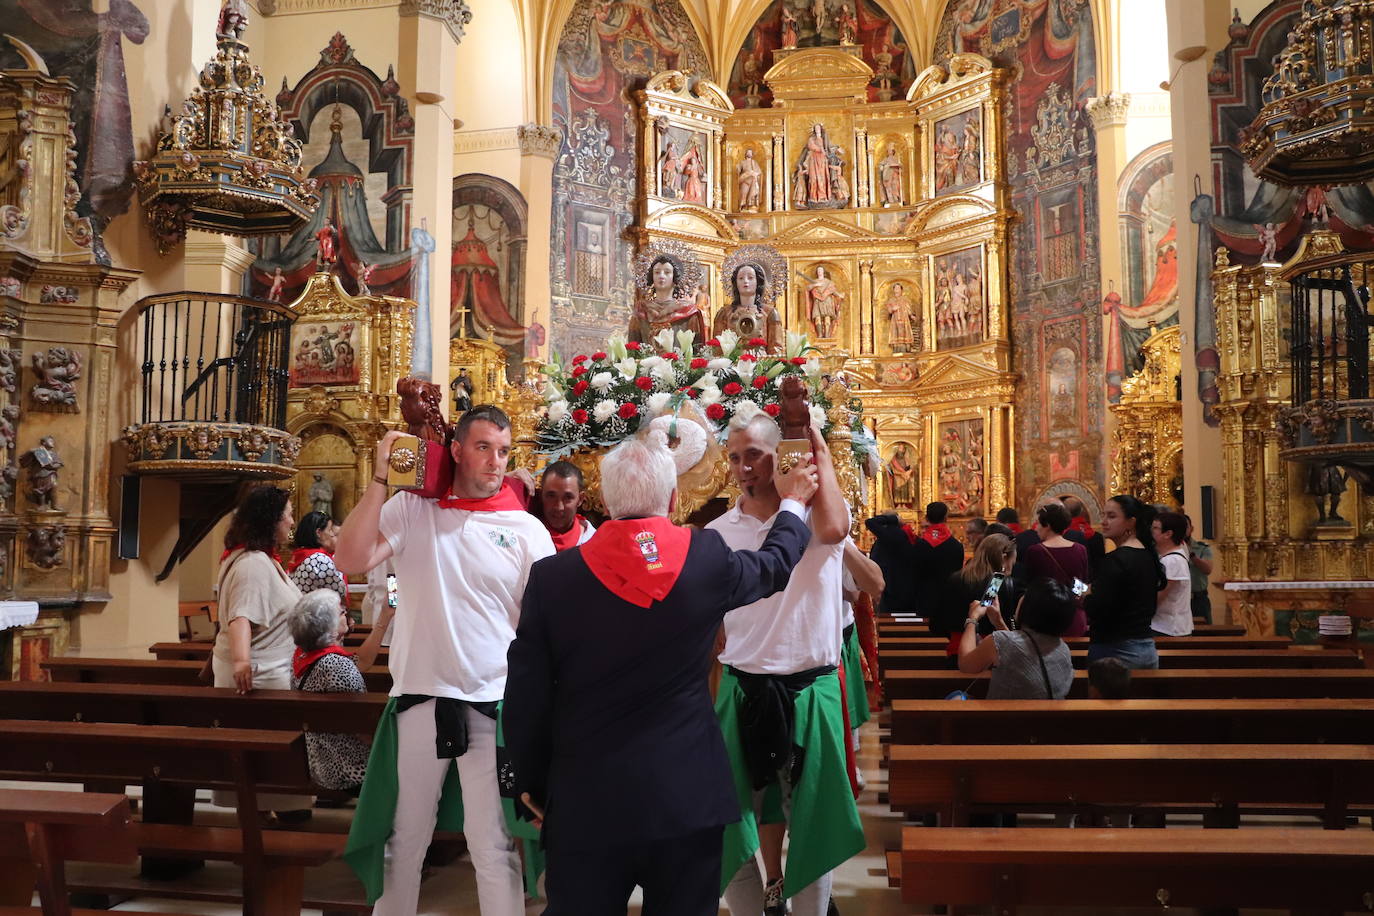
<point x="779" y="175"/>
<point x="861" y="175"/>
<point x="866" y="296"/>
<point x="719" y="203"/>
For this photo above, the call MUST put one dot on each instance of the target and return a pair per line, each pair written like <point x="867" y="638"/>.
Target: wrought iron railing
<point x="1329" y="333"/>
<point x="213" y="358"/>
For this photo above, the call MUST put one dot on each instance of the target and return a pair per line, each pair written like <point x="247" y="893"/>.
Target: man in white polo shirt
<point x="461" y="564"/>
<point x="780" y="689"/>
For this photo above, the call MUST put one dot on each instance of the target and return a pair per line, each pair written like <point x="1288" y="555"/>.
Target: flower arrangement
<point x="599" y="399"/>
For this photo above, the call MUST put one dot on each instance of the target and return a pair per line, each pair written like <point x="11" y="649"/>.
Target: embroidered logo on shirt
<point x="648" y="548"/>
<point x="502" y="537"/>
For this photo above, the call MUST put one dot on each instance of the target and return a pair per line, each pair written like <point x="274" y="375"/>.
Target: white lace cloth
<point x="17" y="613"/>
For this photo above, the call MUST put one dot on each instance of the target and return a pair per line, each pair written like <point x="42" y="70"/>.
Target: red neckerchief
<point x="302" y="660"/>
<point x="504" y="500"/>
<point x="1015" y="527"/>
<point x="638" y="559"/>
<point x="299" y="555"/>
<point x="566" y="540"/>
<point x="1083" y="527"/>
<point x="228" y="550"/>
<point x="935" y="535"/>
<point x="911" y="534"/>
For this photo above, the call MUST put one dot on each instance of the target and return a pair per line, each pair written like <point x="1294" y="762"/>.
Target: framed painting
<point x="958" y="146"/>
<point x="324" y="353"/>
<point x="960" y="298"/>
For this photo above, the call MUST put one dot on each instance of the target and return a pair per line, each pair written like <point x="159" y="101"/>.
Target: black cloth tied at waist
<point x="767" y="719"/>
<point x="844" y="636"/>
<point x="450" y="721"/>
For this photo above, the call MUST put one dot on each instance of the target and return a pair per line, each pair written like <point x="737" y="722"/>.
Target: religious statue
<point x="900" y="333"/>
<point x="1326" y="484"/>
<point x="901" y="478"/>
<point x="823" y="301"/>
<point x="816" y="161"/>
<point x="753" y="76"/>
<point x="883" y="75"/>
<point x="1269" y="238"/>
<point x="946" y="158"/>
<point x="818" y="14"/>
<point x="750" y="312"/>
<point x="693" y="170"/>
<point x="462" y="389"/>
<point x="9" y="475"/>
<point x="890" y="178"/>
<point x="364" y="272"/>
<point x="421" y="409"/>
<point x="849" y="25"/>
<point x="9" y="418"/>
<point x="668" y="277"/>
<point x="56" y="372"/>
<point x="839" y="187"/>
<point x="703" y="300"/>
<point x="10" y="363"/>
<point x="668" y="170"/>
<point x="45" y="544"/>
<point x="799" y="187"/>
<point x="789" y="28"/>
<point x="327" y="239"/>
<point x="970" y="154"/>
<point x="750" y="182"/>
<point x="275" y="290"/>
<point x="322" y="495"/>
<point x="233" y="19"/>
<point x="42" y="464"/>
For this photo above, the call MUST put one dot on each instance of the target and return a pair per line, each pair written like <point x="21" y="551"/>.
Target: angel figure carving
<point x="57" y="370"/>
<point x="42" y="464"/>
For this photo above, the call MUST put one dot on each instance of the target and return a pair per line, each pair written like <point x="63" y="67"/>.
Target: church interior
<point x="1019" y="252"/>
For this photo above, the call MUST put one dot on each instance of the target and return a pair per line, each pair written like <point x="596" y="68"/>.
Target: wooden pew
<point x="245" y="761"/>
<point x="936" y="659"/>
<point x="919" y="628"/>
<point x="151" y="671"/>
<point x="953" y="779"/>
<point x="1081" y="642"/>
<point x="1199" y="683"/>
<point x="1281" y="721"/>
<point x="1100" y="868"/>
<point x="200" y="651"/>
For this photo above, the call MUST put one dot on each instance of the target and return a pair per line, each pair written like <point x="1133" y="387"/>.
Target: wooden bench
<point x="151" y="671"/>
<point x="1099" y="868"/>
<point x="1199" y="683"/>
<point x="1282" y="721"/>
<point x="200" y="651"/>
<point x="1081" y="642"/>
<point x="919" y="628"/>
<point x="245" y="761"/>
<point x="188" y="609"/>
<point x="936" y="659"/>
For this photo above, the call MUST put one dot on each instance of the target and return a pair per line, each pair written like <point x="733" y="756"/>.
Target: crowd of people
<point x="552" y="678"/>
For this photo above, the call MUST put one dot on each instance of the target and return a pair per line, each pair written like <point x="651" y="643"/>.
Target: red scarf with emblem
<point x="301" y="554"/>
<point x="505" y="499"/>
<point x="638" y="559"/>
<point x="1015" y="527"/>
<point x="567" y="540"/>
<point x="910" y="532"/>
<point x="301" y="660"/>
<point x="1083" y="527"/>
<point x="935" y="535"/>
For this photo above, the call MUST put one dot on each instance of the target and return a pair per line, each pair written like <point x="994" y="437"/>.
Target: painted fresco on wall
<point x="357" y="134"/>
<point x="487" y="267"/>
<point x="958" y="146"/>
<point x="324" y="353"/>
<point x="817" y="23"/>
<point x="606" y="52"/>
<point x="960" y="297"/>
<point x="960" y="470"/>
<point x="1052" y="170"/>
<point x="86" y="46"/>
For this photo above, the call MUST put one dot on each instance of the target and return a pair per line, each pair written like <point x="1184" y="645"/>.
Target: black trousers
<point x="680" y="876"/>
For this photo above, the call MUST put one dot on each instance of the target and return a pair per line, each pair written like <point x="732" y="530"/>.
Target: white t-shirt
<point x="1174" y="610"/>
<point x="796" y="629"/>
<point x="460" y="576"/>
<point x="848" y="584"/>
<point x="588" y="529"/>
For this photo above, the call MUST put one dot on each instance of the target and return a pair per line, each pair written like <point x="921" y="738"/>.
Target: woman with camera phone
<point x="989" y="566"/>
<point x="1030" y="663"/>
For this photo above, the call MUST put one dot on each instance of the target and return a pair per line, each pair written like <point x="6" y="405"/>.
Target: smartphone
<point x="391" y="589"/>
<point x="994" y="586"/>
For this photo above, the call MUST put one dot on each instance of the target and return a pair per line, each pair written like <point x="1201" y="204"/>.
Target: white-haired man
<point x="779" y="690"/>
<point x="625" y="765"/>
<point x="461" y="564"/>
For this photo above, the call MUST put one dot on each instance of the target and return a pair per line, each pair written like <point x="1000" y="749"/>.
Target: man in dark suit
<point x="931" y="556"/>
<point x="1081" y="530"/>
<point x="608" y="718"/>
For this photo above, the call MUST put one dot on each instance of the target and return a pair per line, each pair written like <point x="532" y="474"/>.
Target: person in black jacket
<point x="1121" y="603"/>
<point x="1081" y="530"/>
<point x="930" y="556"/>
<point x="608" y="719"/>
<point x="899" y="576"/>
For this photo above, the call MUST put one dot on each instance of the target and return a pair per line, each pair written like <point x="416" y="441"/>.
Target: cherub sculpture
<point x="42" y="464"/>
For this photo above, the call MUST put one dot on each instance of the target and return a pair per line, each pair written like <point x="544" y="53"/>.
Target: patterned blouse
<point x="318" y="571"/>
<point x="336" y="761"/>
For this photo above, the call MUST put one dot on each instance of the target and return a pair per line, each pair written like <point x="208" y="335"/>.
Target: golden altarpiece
<point x="1282" y="564"/>
<point x="891" y="220"/>
<point x="1147" y="438"/>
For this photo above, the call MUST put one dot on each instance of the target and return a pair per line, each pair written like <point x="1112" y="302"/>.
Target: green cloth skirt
<point x="824" y="829"/>
<point x="365" y="852"/>
<point x="855" y="690"/>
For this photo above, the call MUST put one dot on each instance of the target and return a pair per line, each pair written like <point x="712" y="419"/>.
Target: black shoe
<point x="294" y="818"/>
<point x="832" y="910"/>
<point x="774" y="903"/>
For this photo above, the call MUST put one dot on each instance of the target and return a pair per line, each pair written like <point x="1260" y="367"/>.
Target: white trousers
<point x="421" y="778"/>
<point x="744" y="893"/>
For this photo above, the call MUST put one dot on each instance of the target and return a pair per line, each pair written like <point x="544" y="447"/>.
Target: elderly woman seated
<point x="319" y="623"/>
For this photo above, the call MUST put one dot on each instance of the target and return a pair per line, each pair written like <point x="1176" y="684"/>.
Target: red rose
<point x="716" y="412"/>
<point x="699" y="363"/>
<point x="627" y="410"/>
<point x="598" y="355"/>
<point x="760" y="382"/>
<point x="644" y="383"/>
<point x="713" y="342"/>
<point x="798" y="360"/>
<point x="748" y="358"/>
<point x="732" y="388"/>
<point x="757" y="342"/>
<point x="670" y="356"/>
<point x="580" y="416"/>
<point x="578" y="370"/>
<point x="632" y="346"/>
<point x="580" y="388"/>
<point x="579" y="360"/>
<point x="771" y="409"/>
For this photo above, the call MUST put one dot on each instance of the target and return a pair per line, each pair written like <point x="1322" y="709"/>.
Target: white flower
<point x="627" y="367"/>
<point x="552" y="392"/>
<point x="727" y="339"/>
<point x="795" y="344"/>
<point x="615" y="346"/>
<point x="812" y="367"/>
<point x="650" y="363"/>
<point x="603" y="410"/>
<point x="685" y="339"/>
<point x="719" y="363"/>
<point x="656" y="403"/>
<point x="706" y="381"/>
<point x="602" y="380"/>
<point x="745" y="368"/>
<point x="665" y="372"/>
<point x="558" y="410"/>
<point x="708" y="396"/>
<point x="817" y="416"/>
<point x="664" y="340"/>
<point x="747" y="410"/>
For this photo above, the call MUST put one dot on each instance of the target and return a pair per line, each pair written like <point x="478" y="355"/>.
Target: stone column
<point x="538" y="150"/>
